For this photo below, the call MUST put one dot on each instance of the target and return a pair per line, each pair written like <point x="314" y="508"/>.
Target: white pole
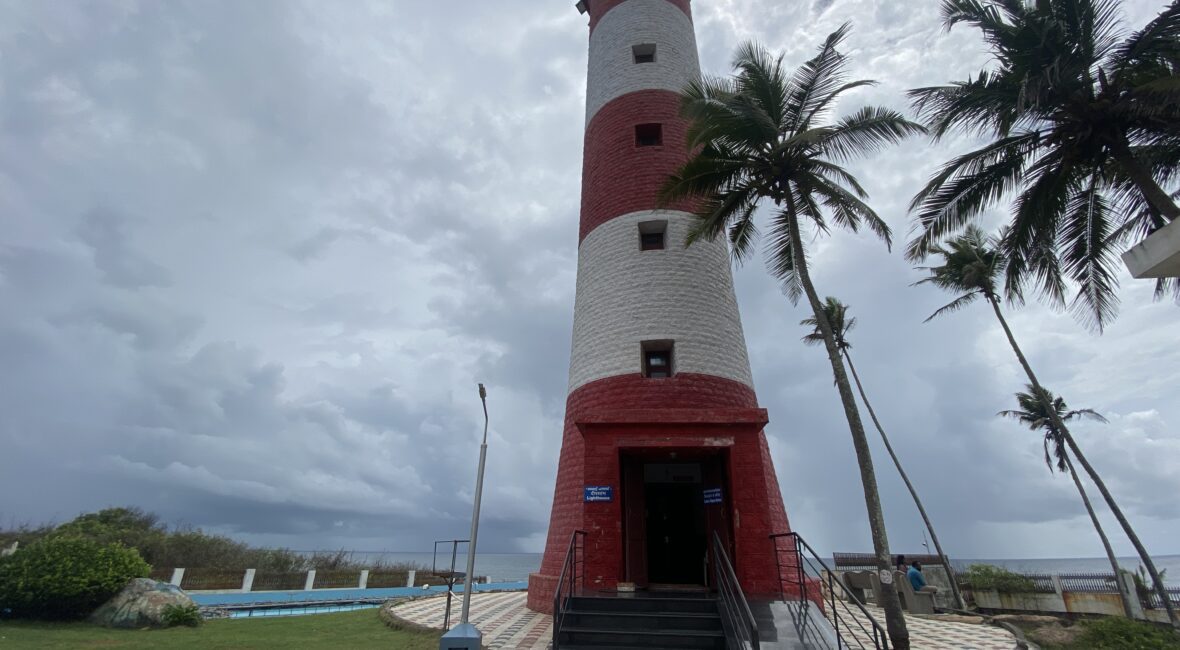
<point x="483" y="455"/>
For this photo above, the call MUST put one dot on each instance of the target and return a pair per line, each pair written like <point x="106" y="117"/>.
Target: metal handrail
<point x="571" y="566"/>
<point x="741" y="630"/>
<point x="851" y="622"/>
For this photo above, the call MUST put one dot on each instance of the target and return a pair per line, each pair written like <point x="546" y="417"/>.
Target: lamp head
<point x="483" y="392"/>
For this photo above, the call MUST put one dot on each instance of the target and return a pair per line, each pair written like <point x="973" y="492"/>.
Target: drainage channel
<point x="289" y="609"/>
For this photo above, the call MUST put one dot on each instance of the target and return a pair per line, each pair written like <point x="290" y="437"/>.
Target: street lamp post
<point x="466" y="636"/>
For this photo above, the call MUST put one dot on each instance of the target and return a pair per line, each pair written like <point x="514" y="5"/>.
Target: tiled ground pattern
<point x="502" y="617"/>
<point x="932" y="634"/>
<point x="507" y="623"/>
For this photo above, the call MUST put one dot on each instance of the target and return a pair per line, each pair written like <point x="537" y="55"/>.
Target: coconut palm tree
<point x="837" y="314"/>
<point x="971" y="264"/>
<point x="769" y="133"/>
<point x="1033" y="414"/>
<point x="1084" y="129"/>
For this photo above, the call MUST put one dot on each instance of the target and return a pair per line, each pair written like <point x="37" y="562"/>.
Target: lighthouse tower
<point x="663" y="444"/>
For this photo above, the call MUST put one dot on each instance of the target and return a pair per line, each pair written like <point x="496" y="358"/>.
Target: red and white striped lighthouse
<point x="663" y="444"/>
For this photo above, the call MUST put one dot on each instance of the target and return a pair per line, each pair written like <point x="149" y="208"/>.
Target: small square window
<point x="657" y="359"/>
<point x="649" y="135"/>
<point x="651" y="235"/>
<point x="644" y="53"/>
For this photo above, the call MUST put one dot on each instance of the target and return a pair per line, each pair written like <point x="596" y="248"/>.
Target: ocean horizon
<point x="515" y="567"/>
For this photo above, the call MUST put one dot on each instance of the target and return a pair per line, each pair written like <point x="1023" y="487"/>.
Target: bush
<point x="188" y="615"/>
<point x="66" y="577"/>
<point x="986" y="576"/>
<point x="1117" y="633"/>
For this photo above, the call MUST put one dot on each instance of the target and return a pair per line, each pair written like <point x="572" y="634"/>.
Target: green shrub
<point x="987" y="576"/>
<point x="188" y="615"/>
<point x="66" y="577"/>
<point x="1117" y="633"/>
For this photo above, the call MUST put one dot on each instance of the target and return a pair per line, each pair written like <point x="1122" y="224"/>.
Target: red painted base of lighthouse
<point x="705" y="434"/>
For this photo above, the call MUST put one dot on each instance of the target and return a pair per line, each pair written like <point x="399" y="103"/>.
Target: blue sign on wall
<point x="599" y="493"/>
<point x="712" y="495"/>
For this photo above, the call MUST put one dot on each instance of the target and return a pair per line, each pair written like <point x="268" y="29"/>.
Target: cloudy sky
<point x="255" y="256"/>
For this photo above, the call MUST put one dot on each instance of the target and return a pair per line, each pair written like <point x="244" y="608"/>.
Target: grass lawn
<point x="359" y="629"/>
<point x="1111" y="633"/>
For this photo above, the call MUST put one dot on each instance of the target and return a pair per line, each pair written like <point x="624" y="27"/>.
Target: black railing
<point x="741" y="630"/>
<point x="852" y="623"/>
<point x="569" y="583"/>
<point x="1153" y="600"/>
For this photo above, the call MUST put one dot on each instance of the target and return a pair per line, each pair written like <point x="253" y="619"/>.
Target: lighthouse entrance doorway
<point x="672" y="506"/>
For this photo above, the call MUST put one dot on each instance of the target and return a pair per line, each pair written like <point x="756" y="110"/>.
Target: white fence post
<point x="410" y="579"/>
<point x="177" y="577"/>
<point x="248" y="580"/>
<point x="1058" y="588"/>
<point x="310" y="583"/>
<point x="364" y="581"/>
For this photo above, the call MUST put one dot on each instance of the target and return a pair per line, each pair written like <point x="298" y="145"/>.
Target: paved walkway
<point x="507" y="623"/>
<point x="929" y="633"/>
<point x="502" y="617"/>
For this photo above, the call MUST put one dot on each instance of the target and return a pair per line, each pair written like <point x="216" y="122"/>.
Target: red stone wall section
<point x="758" y="503"/>
<point x="619" y="177"/>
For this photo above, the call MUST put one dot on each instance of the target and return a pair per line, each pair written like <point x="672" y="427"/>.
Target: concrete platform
<point x="1158" y="256"/>
<point x="507" y="623"/>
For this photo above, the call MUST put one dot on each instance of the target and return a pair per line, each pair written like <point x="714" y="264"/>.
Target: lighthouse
<point x="663" y="446"/>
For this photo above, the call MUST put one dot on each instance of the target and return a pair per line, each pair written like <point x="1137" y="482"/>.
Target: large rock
<point x="140" y="604"/>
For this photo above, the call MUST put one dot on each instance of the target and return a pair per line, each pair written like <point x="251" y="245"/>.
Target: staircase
<point x="665" y="621"/>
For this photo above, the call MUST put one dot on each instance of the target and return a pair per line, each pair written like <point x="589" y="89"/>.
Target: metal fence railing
<point x="205" y="579"/>
<point x="1042" y="582"/>
<point x="385" y="579"/>
<point x="279" y="581"/>
<point x="850" y="621"/>
<point x="1155" y="602"/>
<point x="336" y="579"/>
<point x="1089" y="582"/>
<point x="868" y="561"/>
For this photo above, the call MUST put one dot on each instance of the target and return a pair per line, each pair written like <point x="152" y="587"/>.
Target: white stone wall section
<point x="613" y="71"/>
<point x="626" y="296"/>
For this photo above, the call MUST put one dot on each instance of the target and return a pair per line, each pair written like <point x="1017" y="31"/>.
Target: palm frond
<point x="866" y="131"/>
<point x="966" y="186"/>
<point x="836" y="314"/>
<point x="1084" y="413"/>
<point x="847" y="209"/>
<point x="1155" y="47"/>
<point x="816" y="80"/>
<point x="1030" y="245"/>
<point x="780" y="256"/>
<point x="1088" y="260"/>
<point x="953" y="306"/>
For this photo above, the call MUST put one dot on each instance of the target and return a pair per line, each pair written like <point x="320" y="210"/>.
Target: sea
<point x="515" y="567"/>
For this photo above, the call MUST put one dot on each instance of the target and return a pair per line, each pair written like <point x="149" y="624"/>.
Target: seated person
<point x="918" y="581"/>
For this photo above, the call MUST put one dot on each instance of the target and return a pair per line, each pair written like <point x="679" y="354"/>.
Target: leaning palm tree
<point x="971" y="264"/>
<point x="837" y="314"/>
<point x="769" y="133"/>
<point x="1084" y="129"/>
<point x="1033" y="413"/>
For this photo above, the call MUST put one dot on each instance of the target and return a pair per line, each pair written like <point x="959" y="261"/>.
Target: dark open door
<point x="634" y="522"/>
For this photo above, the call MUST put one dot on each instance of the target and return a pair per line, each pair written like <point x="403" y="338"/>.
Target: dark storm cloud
<point x="256" y="256"/>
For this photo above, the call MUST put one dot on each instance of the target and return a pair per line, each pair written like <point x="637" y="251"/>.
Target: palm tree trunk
<point x="946" y="563"/>
<point x="1114" y="563"/>
<point x="1155" y="196"/>
<point x="895" y="625"/>
<point x="1073" y="446"/>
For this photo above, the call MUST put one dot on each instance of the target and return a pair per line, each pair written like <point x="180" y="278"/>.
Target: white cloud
<point x="256" y="256"/>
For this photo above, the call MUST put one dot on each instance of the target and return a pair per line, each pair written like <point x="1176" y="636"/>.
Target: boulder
<point x="1056" y="634"/>
<point x="140" y="604"/>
